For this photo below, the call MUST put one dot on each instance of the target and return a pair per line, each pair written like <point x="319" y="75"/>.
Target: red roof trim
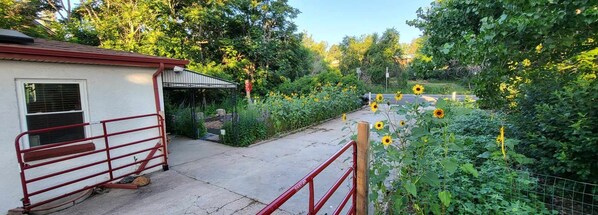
<point x="49" y="55"/>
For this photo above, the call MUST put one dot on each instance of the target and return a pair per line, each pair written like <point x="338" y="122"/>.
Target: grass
<point x="431" y="87"/>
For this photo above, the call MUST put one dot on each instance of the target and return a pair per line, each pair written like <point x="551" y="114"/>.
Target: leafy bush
<point x="474" y="123"/>
<point x="556" y="117"/>
<point x="288" y="112"/>
<point x="250" y="128"/>
<point x="183" y="123"/>
<point x="433" y="164"/>
<point x="307" y="84"/>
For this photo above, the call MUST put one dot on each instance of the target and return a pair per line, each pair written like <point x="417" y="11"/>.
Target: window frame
<point x="22" y="103"/>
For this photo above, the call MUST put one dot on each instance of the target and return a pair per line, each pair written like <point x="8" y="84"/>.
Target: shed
<point x="191" y="82"/>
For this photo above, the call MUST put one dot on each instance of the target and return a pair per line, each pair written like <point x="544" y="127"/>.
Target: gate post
<point x="363" y="160"/>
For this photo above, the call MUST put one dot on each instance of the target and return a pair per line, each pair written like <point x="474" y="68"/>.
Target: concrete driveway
<point x="210" y="178"/>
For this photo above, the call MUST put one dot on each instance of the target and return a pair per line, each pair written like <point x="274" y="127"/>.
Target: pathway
<point x="210" y="178"/>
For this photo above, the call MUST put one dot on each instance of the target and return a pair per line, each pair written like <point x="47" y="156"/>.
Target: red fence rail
<point x="109" y="171"/>
<point x="309" y="180"/>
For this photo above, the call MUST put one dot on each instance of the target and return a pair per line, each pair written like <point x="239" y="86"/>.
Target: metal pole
<point x="194" y="120"/>
<point x="387" y="79"/>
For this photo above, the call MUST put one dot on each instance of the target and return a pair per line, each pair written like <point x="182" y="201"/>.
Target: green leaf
<point x="502" y="18"/>
<point x="410" y="187"/>
<point x="468" y="168"/>
<point x="449" y="164"/>
<point x="431" y="178"/>
<point x="445" y="198"/>
<point x="484" y="155"/>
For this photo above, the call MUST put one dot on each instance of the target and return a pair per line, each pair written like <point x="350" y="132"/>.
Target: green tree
<point x="383" y="53"/>
<point x="23" y="16"/>
<point x="236" y="39"/>
<point x="494" y="34"/>
<point x="537" y="61"/>
<point x="372" y="54"/>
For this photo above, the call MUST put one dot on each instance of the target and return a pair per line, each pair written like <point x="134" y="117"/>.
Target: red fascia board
<point x="49" y="55"/>
<point x="50" y="59"/>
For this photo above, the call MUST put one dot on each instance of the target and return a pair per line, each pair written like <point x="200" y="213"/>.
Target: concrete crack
<point x="224" y="188"/>
<point x="219" y="208"/>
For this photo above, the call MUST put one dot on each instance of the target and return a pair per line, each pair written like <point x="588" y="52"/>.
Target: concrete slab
<point x="183" y="150"/>
<point x="210" y="178"/>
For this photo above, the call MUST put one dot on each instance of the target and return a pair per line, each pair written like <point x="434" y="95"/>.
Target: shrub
<point x="183" y="123"/>
<point x="556" y="117"/>
<point x="249" y="129"/>
<point x="288" y="112"/>
<point x="307" y="84"/>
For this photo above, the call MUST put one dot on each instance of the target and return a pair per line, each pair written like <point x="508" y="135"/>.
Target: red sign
<point x="248" y="86"/>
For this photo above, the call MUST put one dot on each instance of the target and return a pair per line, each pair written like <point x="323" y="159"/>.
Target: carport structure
<point x="193" y="83"/>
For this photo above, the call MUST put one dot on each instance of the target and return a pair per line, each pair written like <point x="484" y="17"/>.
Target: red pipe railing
<point x="109" y="171"/>
<point x="309" y="180"/>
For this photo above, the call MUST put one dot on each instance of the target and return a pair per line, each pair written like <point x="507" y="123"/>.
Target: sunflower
<point x="379" y="125"/>
<point x="398" y="96"/>
<point x="439" y="113"/>
<point x="379" y="97"/>
<point x="374" y="106"/>
<point x="386" y="140"/>
<point x="344" y="117"/>
<point x="402" y="123"/>
<point x="418" y="89"/>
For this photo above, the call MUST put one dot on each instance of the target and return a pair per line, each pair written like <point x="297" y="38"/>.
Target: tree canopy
<point x="497" y="35"/>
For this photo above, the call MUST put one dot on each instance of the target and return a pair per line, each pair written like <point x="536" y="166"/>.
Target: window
<point x="48" y="104"/>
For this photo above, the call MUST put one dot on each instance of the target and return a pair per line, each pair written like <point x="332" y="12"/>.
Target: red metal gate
<point x="309" y="180"/>
<point x="107" y="173"/>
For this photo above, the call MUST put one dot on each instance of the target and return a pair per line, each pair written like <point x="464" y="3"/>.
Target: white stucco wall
<point x="112" y="92"/>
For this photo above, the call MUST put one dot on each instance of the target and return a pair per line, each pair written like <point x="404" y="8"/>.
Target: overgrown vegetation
<point x="180" y="121"/>
<point x="432" y="87"/>
<point x="307" y="84"/>
<point x="448" y="160"/>
<point x="535" y="60"/>
<point x="555" y="114"/>
<point x="289" y="112"/>
<point x="250" y="127"/>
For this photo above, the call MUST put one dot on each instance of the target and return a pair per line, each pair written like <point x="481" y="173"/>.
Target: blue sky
<point x="331" y="20"/>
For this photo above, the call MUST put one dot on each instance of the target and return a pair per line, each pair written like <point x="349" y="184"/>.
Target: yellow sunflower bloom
<point x="539" y="48"/>
<point x="418" y="89"/>
<point x="398" y="96"/>
<point x="374" y="106"/>
<point x="379" y="125"/>
<point x="379" y="97"/>
<point x="386" y="140"/>
<point x="344" y="117"/>
<point x="402" y="123"/>
<point x="526" y="62"/>
<point x="439" y="113"/>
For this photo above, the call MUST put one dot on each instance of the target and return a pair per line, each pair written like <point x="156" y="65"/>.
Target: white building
<point x="47" y="84"/>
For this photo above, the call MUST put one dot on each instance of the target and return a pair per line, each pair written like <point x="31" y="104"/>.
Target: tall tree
<point x="23" y="16"/>
<point x="372" y="54"/>
<point x="237" y="39"/>
<point x="497" y="34"/>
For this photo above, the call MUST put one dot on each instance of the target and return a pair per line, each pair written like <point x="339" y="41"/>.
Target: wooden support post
<point x="363" y="160"/>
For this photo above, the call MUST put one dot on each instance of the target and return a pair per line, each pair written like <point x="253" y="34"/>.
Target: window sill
<point x="58" y="152"/>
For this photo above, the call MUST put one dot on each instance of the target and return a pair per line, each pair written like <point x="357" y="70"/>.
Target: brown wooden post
<point x="363" y="161"/>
